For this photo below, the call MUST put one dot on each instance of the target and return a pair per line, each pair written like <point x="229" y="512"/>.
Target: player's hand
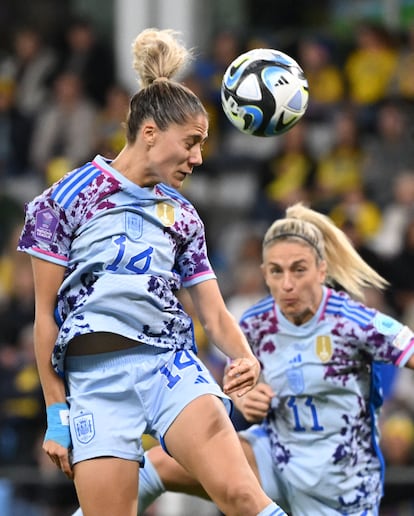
<point x="255" y="404"/>
<point x="60" y="456"/>
<point x="57" y="442"/>
<point x="241" y="375"/>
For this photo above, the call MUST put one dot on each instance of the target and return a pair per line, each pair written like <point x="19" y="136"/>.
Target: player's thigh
<point x="203" y="440"/>
<point x="107" y="486"/>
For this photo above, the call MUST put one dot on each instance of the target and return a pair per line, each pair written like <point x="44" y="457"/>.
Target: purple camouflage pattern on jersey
<point x="149" y="272"/>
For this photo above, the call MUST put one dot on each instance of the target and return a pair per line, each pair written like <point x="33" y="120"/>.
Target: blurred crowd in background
<point x="351" y="157"/>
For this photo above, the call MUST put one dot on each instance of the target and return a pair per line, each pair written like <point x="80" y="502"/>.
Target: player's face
<point x="294" y="278"/>
<point x="175" y="152"/>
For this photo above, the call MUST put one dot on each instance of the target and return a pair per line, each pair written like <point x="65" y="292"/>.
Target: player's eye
<point x="275" y="271"/>
<point x="300" y="270"/>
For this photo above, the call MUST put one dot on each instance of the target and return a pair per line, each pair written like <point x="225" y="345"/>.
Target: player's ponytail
<point x="158" y="58"/>
<point x="344" y="265"/>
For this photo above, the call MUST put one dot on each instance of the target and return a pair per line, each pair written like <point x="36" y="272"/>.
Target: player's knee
<point x="241" y="496"/>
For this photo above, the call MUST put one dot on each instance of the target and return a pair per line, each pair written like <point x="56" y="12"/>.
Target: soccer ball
<point x="264" y="92"/>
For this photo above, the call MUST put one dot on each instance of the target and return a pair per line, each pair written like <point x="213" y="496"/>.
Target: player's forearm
<point x="45" y="333"/>
<point x="228" y="337"/>
<point x="219" y="324"/>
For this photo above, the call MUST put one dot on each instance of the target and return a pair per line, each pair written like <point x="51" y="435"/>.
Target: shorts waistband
<point x="123" y="357"/>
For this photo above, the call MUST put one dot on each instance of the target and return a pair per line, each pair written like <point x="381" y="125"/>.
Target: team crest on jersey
<point x="84" y="428"/>
<point x="165" y="212"/>
<point x="323" y="347"/>
<point x="295" y="380"/>
<point x="133" y="225"/>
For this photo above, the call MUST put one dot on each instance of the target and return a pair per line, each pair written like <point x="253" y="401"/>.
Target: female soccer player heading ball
<point x="111" y="243"/>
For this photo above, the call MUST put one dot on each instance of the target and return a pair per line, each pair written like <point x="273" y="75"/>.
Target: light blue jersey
<point x="126" y="249"/>
<point x="323" y="430"/>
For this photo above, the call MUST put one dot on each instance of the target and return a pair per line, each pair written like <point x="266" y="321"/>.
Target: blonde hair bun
<point x="158" y="54"/>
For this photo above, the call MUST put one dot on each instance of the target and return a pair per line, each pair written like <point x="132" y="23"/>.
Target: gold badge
<point x="324" y="347"/>
<point x="165" y="212"/>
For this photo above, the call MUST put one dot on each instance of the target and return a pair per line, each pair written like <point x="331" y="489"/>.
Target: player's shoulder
<point x="259" y="309"/>
<point x="340" y="304"/>
<point x="168" y="191"/>
<point x="82" y="184"/>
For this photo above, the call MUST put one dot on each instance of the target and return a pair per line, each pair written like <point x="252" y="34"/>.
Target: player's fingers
<point x="59" y="456"/>
<point x="254" y="416"/>
<point x="265" y="389"/>
<point x="245" y="367"/>
<point x="245" y="381"/>
<point x="66" y="467"/>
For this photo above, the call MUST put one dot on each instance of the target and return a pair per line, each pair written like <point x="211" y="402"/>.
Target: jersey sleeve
<point x="389" y="340"/>
<point x="397" y="335"/>
<point x="48" y="230"/>
<point x="193" y="263"/>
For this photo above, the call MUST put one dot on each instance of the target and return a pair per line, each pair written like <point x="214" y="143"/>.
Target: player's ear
<point x="323" y="269"/>
<point x="149" y="132"/>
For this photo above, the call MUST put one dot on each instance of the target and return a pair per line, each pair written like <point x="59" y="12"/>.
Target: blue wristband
<point x="58" y="429"/>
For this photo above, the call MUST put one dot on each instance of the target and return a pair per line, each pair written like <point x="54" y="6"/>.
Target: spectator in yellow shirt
<point x="326" y="80"/>
<point x="369" y="69"/>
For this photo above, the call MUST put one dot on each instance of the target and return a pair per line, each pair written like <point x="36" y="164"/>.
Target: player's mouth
<point x="289" y="301"/>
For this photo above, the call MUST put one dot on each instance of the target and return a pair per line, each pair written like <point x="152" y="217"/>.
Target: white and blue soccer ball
<point x="264" y="92"/>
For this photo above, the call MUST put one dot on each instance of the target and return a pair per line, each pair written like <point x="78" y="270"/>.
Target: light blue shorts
<point x="116" y="397"/>
<point x="291" y="499"/>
